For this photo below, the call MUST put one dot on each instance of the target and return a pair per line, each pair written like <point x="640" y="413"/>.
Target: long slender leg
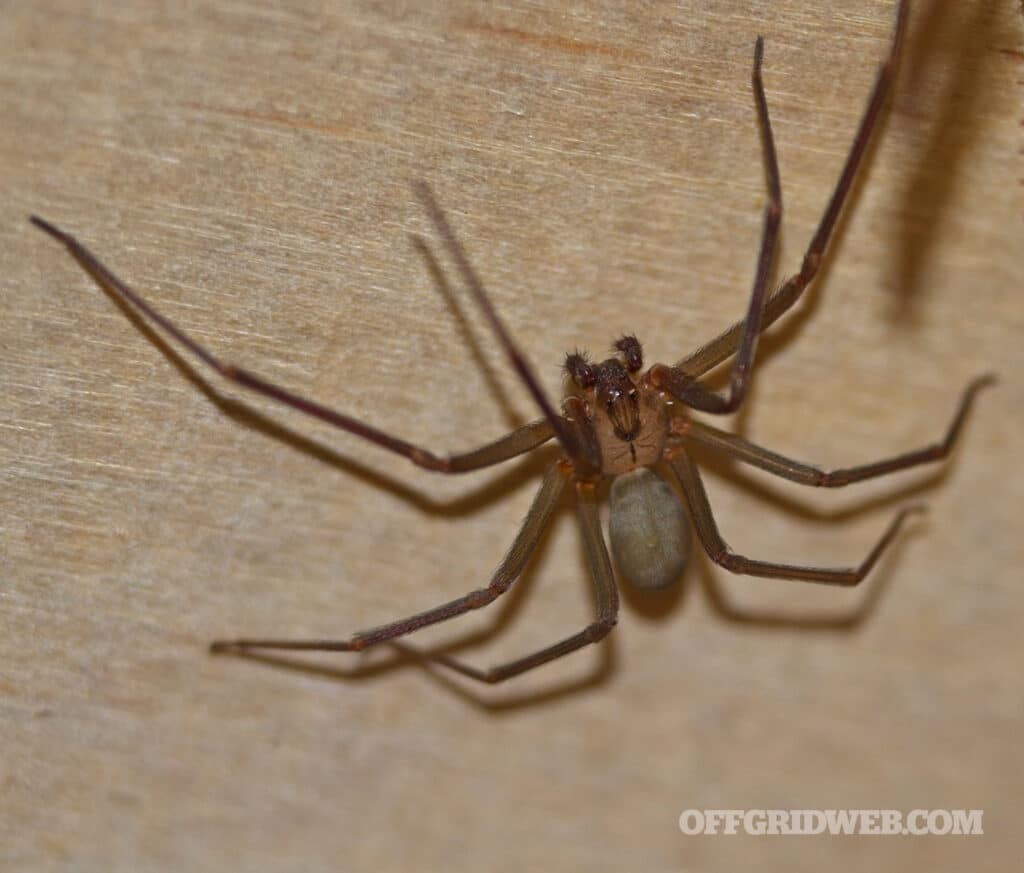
<point x="508" y="571"/>
<point x="725" y="344"/>
<point x="681" y="383"/>
<point x="516" y="443"/>
<point x="719" y="551"/>
<point x="458" y="254"/>
<point x="805" y="474"/>
<point x="607" y="603"/>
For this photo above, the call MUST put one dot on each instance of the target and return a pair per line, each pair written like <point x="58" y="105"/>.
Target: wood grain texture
<point x="247" y="167"/>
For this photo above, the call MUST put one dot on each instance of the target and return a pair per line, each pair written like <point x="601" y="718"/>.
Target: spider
<point x="617" y="422"/>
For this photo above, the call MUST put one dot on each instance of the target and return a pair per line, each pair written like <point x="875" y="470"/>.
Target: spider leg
<point x="805" y="474"/>
<point x="508" y="571"/>
<point x="725" y="344"/>
<point x="719" y="551"/>
<point x="516" y="443"/>
<point x="607" y="603"/>
<point x="458" y="254"/>
<point x="679" y="382"/>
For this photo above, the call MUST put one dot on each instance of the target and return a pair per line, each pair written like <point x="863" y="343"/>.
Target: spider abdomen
<point x="648" y="529"/>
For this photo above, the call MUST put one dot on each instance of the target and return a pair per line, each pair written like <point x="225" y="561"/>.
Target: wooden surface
<point x="248" y="167"/>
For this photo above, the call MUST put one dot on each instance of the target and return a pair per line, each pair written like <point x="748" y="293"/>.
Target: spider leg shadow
<point x="598" y="676"/>
<point x="874" y="586"/>
<point x="524" y="471"/>
<point x="403" y="655"/>
<point x="946" y="125"/>
<point x="832" y="621"/>
<point x="458" y="312"/>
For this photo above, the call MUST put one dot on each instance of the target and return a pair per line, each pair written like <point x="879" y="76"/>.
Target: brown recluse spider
<point x="616" y="422"/>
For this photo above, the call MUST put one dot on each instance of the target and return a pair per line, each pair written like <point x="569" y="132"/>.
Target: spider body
<point x="616" y="422"/>
<point x="625" y="425"/>
<point x="648" y="529"/>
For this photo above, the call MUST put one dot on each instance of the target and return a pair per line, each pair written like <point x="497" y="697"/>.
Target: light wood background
<point x="248" y="166"/>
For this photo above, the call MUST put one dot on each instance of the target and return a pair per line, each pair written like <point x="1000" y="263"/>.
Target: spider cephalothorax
<point x="611" y="387"/>
<point x="615" y="423"/>
<point x="627" y="416"/>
